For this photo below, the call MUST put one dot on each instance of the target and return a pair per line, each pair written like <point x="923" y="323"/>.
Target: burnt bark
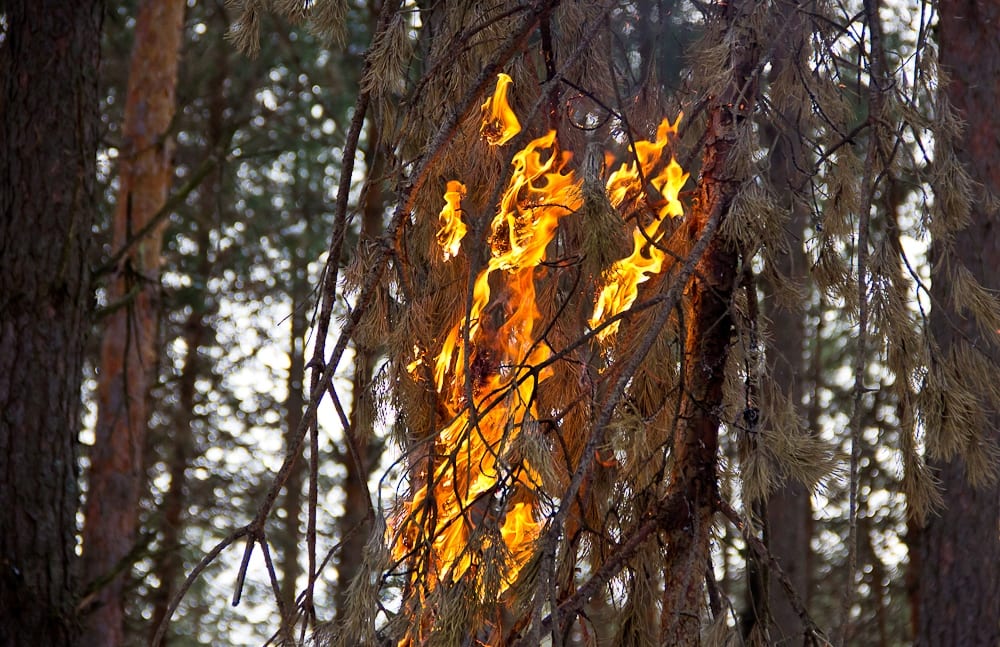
<point x="959" y="550"/>
<point x="129" y="347"/>
<point x="697" y="438"/>
<point x="706" y="347"/>
<point x="48" y="143"/>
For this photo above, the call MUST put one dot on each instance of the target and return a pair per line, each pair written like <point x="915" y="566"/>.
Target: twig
<point x="322" y="372"/>
<point x="319" y="385"/>
<point x="325" y="369"/>
<point x="671" y="299"/>
<point x="175" y="200"/>
<point x="285" y="629"/>
<point x="670" y="514"/>
<point x="195" y="572"/>
<point x="139" y="550"/>
<point x="870" y="181"/>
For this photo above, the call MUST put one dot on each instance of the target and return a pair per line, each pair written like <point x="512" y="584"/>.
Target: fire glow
<point x="480" y="491"/>
<point x="647" y="258"/>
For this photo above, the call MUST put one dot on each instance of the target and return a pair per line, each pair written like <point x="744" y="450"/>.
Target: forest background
<point x="224" y="285"/>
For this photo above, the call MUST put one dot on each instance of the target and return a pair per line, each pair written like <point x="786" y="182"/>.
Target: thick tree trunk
<point x="129" y="349"/>
<point x="48" y="142"/>
<point x="959" y="552"/>
<point x="706" y="348"/>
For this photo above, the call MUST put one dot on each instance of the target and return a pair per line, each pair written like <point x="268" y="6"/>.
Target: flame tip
<point x="499" y="123"/>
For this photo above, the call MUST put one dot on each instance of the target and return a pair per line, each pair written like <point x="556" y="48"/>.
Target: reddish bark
<point x="709" y="330"/>
<point x="129" y="349"/>
<point x="48" y="142"/>
<point x="959" y="550"/>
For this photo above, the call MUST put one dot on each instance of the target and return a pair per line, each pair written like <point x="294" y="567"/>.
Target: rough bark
<point x="697" y="438"/>
<point x="959" y="552"/>
<point x="48" y="142"/>
<point x="709" y="331"/>
<point x="129" y="347"/>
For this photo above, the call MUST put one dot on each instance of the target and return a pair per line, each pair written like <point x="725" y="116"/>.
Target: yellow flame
<point x="452" y="229"/>
<point x="417" y="361"/>
<point x="500" y="123"/>
<point x="626" y="182"/>
<point x="624" y="279"/>
<point x="465" y="487"/>
<point x="647" y="257"/>
<point x="495" y="349"/>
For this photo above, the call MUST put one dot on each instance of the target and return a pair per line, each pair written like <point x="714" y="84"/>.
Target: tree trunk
<point x="129" y="349"/>
<point x="959" y="551"/>
<point x="48" y="133"/>
<point x="288" y="538"/>
<point x="169" y="569"/>
<point x="706" y="347"/>
<point x="789" y="511"/>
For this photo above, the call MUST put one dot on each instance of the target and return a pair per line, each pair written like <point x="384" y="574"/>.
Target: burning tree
<point x="561" y="325"/>
<point x="566" y="294"/>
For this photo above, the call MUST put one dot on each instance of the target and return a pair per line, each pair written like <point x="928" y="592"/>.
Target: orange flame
<point x="647" y="257"/>
<point x="452" y="229"/>
<point x="627" y="180"/>
<point x="478" y="472"/>
<point x="499" y="121"/>
<point x="495" y="355"/>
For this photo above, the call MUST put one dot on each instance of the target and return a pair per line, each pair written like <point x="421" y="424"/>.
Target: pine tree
<point x="958" y="553"/>
<point x="130" y="348"/>
<point x="49" y="53"/>
<point x="582" y="379"/>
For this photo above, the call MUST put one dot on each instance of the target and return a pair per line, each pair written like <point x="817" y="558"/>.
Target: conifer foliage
<point x="625" y="287"/>
<point x="566" y="290"/>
